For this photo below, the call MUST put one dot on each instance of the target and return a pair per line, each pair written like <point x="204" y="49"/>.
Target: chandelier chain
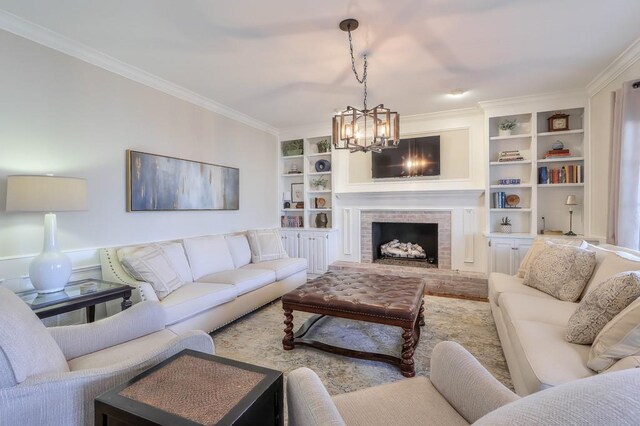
<point x="362" y="80"/>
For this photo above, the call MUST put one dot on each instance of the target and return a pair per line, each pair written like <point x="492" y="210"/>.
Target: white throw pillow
<point x="561" y="271"/>
<point x="618" y="339"/>
<point x="613" y="263"/>
<point x="151" y="264"/>
<point x="265" y="244"/>
<point x="539" y="245"/>
<point x="601" y="305"/>
<point x="240" y="250"/>
<point x="208" y="255"/>
<point x="25" y="341"/>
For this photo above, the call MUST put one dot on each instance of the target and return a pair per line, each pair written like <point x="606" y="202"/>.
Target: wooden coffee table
<point x="193" y="388"/>
<point x="381" y="299"/>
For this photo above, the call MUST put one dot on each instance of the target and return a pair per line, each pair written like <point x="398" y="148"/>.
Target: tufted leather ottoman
<point x="382" y="299"/>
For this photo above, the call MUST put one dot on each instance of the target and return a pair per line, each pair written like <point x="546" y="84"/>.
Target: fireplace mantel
<point x="444" y="193"/>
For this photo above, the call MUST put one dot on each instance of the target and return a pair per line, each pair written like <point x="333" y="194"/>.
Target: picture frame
<point x="297" y="192"/>
<point x="162" y="183"/>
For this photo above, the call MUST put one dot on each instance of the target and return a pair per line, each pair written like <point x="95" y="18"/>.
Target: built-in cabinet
<point x="318" y="247"/>
<point x="506" y="254"/>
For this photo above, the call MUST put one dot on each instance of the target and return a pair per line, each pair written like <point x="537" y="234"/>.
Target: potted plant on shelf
<point x="293" y="147"/>
<point x="506" y="126"/>
<point x="324" y="146"/>
<point x="505" y="225"/>
<point x="319" y="183"/>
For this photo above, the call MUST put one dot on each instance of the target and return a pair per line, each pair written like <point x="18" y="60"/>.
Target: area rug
<point x="257" y="339"/>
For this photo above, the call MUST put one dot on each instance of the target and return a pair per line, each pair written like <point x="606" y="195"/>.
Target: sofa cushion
<point x="178" y="260"/>
<point x="282" y="267"/>
<point x="122" y="352"/>
<point x="152" y="265"/>
<point x="538" y="247"/>
<point x="208" y="255"/>
<point x="265" y="244"/>
<point x="602" y="304"/>
<point x="503" y="283"/>
<point x="28" y="347"/>
<point x="618" y="339"/>
<point x="561" y="271"/>
<point x="239" y="249"/>
<point x="414" y="401"/>
<point x="612" y="263"/>
<point x="193" y="298"/>
<point x="245" y="280"/>
<point x="515" y="306"/>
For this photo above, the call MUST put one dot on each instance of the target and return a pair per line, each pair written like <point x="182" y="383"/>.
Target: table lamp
<point x="571" y="201"/>
<point x="50" y="270"/>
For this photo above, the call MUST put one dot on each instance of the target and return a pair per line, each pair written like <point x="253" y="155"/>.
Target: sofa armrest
<point x="147" y="292"/>
<point x="465" y="383"/>
<point x="624" y="364"/>
<point x="139" y="320"/>
<point x="67" y="398"/>
<point x="308" y="401"/>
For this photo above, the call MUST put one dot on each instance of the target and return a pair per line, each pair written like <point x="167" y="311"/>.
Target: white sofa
<point x="221" y="283"/>
<point x="531" y="325"/>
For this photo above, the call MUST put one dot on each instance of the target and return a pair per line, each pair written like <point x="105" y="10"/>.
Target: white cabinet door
<point x="290" y="242"/>
<point x="501" y="256"/>
<point x="319" y="253"/>
<point x="521" y="247"/>
<point x="305" y="249"/>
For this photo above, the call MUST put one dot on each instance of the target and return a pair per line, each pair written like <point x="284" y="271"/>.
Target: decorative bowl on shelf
<point x="323" y="166"/>
<point x="513" y="200"/>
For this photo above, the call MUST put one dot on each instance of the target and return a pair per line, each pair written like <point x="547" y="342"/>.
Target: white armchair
<point x="461" y="391"/>
<point x="50" y="376"/>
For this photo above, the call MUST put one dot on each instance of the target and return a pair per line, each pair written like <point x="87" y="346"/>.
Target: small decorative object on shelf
<point x="323" y="166"/>
<point x="571" y="201"/>
<point x="300" y="205"/>
<point x="506" y="127"/>
<point x="513" y="155"/>
<point x="287" y="205"/>
<point x="512" y="201"/>
<point x="558" y="122"/>
<point x="324" y="146"/>
<point x="557" y="145"/>
<point x="321" y="220"/>
<point x="293" y="147"/>
<point x="512" y="181"/>
<point x="505" y="225"/>
<point x="294" y="170"/>
<point x="319" y="183"/>
<point x="320" y="203"/>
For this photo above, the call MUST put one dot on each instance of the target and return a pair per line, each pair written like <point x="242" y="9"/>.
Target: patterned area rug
<point x="257" y="339"/>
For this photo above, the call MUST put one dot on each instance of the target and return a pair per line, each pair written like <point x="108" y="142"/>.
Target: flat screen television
<point x="414" y="157"/>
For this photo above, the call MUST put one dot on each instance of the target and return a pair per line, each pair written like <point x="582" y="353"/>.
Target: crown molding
<point x="44" y="36"/>
<point x="630" y="56"/>
<point x="543" y="97"/>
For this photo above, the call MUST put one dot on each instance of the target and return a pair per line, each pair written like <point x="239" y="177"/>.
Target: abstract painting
<point x="156" y="183"/>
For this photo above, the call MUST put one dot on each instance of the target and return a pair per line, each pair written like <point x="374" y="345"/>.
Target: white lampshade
<point x="46" y="194"/>
<point x="50" y="270"/>
<point x="571" y="200"/>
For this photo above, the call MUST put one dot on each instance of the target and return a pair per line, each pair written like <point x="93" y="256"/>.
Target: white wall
<point x="63" y="116"/>
<point x="601" y="106"/>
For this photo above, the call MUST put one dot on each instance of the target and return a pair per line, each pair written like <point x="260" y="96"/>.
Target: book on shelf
<point x="564" y="174"/>
<point x="554" y="153"/>
<point x="291" y="221"/>
<point x="513" y="155"/>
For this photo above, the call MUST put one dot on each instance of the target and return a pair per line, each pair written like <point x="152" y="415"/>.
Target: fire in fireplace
<point x="413" y="244"/>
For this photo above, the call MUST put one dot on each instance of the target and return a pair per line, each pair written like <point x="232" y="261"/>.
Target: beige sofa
<point x="531" y="325"/>
<point x="220" y="282"/>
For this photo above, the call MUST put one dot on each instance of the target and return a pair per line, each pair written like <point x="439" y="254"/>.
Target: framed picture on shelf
<point x="297" y="192"/>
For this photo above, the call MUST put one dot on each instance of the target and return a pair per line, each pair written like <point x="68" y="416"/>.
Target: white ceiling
<point x="286" y="63"/>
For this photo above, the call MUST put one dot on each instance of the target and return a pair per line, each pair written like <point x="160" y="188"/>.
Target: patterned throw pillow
<point x="561" y="271"/>
<point x="538" y="246"/>
<point x="619" y="339"/>
<point x="601" y="305"/>
<point x="151" y="264"/>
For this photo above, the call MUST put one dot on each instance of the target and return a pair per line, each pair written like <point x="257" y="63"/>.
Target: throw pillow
<point x="178" y="260"/>
<point x="611" y="264"/>
<point x="240" y="250"/>
<point x="25" y="341"/>
<point x="602" y="304"/>
<point x="150" y="264"/>
<point x="561" y="271"/>
<point x="538" y="247"/>
<point x="208" y="255"/>
<point x="265" y="244"/>
<point x="618" y="339"/>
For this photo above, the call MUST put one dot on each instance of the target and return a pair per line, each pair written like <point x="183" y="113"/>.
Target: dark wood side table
<point x="194" y="388"/>
<point x="77" y="295"/>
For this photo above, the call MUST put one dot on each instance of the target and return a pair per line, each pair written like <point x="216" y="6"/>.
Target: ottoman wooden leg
<point x="406" y="364"/>
<point x="287" y="340"/>
<point x="421" y="313"/>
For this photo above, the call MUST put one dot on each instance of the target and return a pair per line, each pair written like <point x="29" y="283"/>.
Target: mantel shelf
<point x="401" y="193"/>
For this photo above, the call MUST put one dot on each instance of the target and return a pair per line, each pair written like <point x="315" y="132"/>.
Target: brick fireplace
<point x="441" y="219"/>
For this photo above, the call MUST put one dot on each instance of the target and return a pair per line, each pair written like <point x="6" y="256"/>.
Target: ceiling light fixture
<point x="456" y="93"/>
<point x="365" y="129"/>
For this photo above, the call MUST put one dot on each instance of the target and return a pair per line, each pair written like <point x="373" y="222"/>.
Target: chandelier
<point x="364" y="129"/>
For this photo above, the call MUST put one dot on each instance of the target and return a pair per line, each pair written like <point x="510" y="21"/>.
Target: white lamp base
<point x="50" y="270"/>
